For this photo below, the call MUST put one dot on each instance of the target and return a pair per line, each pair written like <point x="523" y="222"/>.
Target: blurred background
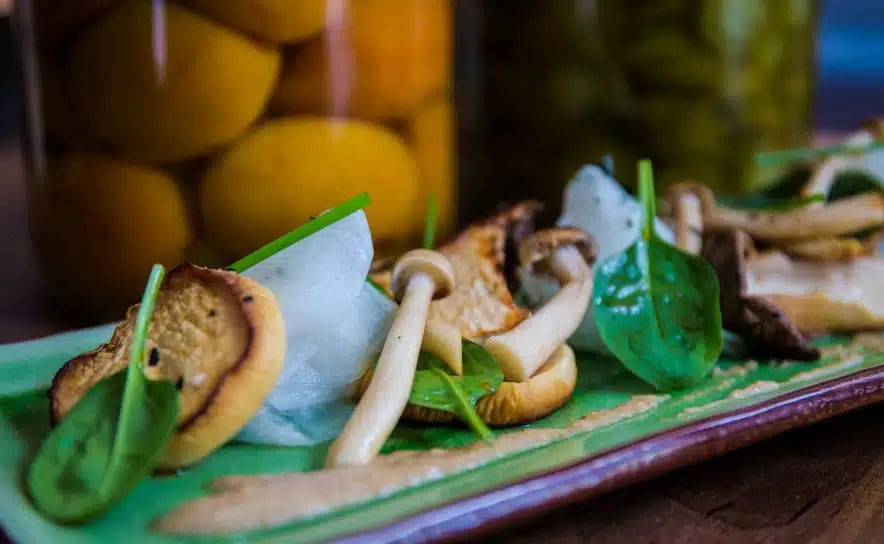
<point x="539" y="89"/>
<point x="850" y="56"/>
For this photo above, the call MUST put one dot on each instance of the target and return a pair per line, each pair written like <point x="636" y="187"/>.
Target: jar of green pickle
<point x="699" y="86"/>
<point x="160" y="131"/>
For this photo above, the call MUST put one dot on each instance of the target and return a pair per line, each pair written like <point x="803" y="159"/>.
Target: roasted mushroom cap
<point x="218" y="335"/>
<point x="768" y="332"/>
<point x="481" y="303"/>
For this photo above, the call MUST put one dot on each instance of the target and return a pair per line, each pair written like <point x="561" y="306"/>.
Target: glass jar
<point x="699" y="86"/>
<point x="172" y="130"/>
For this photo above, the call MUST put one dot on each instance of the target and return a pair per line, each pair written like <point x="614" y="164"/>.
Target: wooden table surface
<point x="824" y="483"/>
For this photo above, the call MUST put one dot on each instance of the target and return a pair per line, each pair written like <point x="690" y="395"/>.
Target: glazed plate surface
<point x="613" y="432"/>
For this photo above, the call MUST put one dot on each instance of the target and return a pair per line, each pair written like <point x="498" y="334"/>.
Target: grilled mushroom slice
<point x="768" y="331"/>
<point x="481" y="303"/>
<point x="826" y="249"/>
<point x="218" y="335"/>
<point x="821" y="297"/>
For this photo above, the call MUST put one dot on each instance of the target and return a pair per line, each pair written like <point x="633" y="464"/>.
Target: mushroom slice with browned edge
<point x="418" y="277"/>
<point x="768" y="332"/>
<point x="481" y="303"/>
<point x="826" y="249"/>
<point x="218" y="335"/>
<point x="566" y="254"/>
<point x="821" y="297"/>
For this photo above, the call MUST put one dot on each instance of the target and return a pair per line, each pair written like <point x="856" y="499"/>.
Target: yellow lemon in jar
<point x="433" y="137"/>
<point x="163" y="83"/>
<point x="280" y="21"/>
<point x="376" y="59"/>
<point x="290" y="169"/>
<point x="99" y="224"/>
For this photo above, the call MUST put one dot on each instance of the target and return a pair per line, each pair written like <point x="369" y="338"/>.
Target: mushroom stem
<point x="417" y="277"/>
<point x="845" y="216"/>
<point x="386" y="397"/>
<point x="689" y="222"/>
<point x="445" y="342"/>
<point x="523" y="349"/>
<point x="823" y="178"/>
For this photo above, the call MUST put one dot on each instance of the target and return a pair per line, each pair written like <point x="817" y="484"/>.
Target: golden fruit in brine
<point x="433" y="137"/>
<point x="99" y="224"/>
<point x="376" y="59"/>
<point x="280" y="21"/>
<point x="167" y="89"/>
<point x="290" y="169"/>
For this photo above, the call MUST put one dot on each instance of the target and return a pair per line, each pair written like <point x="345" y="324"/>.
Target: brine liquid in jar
<point x="171" y="130"/>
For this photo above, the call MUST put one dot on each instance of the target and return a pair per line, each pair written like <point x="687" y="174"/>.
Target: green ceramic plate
<point x="740" y="401"/>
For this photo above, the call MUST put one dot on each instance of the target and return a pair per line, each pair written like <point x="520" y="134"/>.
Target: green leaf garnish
<point x="807" y="154"/>
<point x="111" y="439"/>
<point x="430" y="223"/>
<point x="313" y="226"/>
<point x="657" y="308"/>
<point x="435" y="387"/>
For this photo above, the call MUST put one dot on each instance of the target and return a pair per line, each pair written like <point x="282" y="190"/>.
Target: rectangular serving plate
<point x="740" y="404"/>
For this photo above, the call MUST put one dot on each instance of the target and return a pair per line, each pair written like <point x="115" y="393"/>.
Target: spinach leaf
<point x="111" y="439"/>
<point x="434" y="386"/>
<point x="854" y="182"/>
<point x="657" y="307"/>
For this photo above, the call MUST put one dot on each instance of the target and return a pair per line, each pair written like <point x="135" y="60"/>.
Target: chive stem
<point x="647" y="198"/>
<point x="313" y="226"/>
<point x="430" y="223"/>
<point x="135" y="379"/>
<point x="806" y="154"/>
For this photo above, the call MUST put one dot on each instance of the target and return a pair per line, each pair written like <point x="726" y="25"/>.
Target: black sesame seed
<point x="179" y="385"/>
<point x="248" y="298"/>
<point x="154" y="358"/>
<point x="629" y="223"/>
<point x="213" y="313"/>
<point x="597" y="200"/>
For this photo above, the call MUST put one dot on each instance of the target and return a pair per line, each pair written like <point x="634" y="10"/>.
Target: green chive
<point x="646" y="193"/>
<point x="311" y="227"/>
<point x="807" y="154"/>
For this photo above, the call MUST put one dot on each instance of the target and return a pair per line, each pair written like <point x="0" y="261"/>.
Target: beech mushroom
<point x="566" y="254"/>
<point x="768" y="332"/>
<point x="687" y="208"/>
<point x="844" y="216"/>
<point x="418" y="277"/>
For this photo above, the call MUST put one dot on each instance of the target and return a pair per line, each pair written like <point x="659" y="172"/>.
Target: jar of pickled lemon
<point x="160" y="131"/>
<point x="699" y="86"/>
